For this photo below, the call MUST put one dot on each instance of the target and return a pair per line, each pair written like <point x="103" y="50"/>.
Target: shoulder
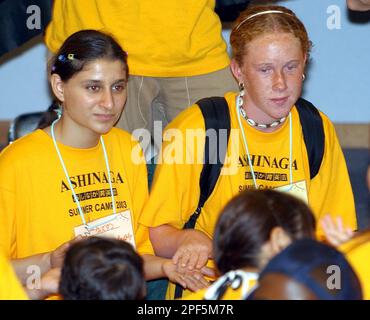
<point x="125" y="146"/>
<point x="326" y="122"/>
<point x="119" y="136"/>
<point x="192" y="117"/>
<point x="25" y="147"/>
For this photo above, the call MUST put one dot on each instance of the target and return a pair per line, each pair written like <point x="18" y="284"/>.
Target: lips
<point x="280" y="101"/>
<point x="104" y="117"/>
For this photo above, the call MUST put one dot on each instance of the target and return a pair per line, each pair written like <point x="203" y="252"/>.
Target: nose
<point x="107" y="99"/>
<point x="279" y="81"/>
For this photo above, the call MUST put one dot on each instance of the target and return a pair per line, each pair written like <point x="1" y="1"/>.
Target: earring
<point x="303" y="76"/>
<point x="241" y="89"/>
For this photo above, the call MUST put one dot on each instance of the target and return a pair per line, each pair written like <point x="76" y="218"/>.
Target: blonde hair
<point x="258" y="20"/>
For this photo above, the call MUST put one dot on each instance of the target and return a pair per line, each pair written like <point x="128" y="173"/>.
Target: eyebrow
<point x="270" y="64"/>
<point x="120" y="80"/>
<point x="99" y="81"/>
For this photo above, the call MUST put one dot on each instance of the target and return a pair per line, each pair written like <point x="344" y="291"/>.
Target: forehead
<point x="104" y="69"/>
<point x="272" y="45"/>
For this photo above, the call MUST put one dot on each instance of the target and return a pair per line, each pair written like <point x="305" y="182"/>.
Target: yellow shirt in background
<point x="163" y="38"/>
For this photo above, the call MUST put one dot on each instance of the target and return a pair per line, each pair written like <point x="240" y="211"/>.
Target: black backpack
<point x="216" y="116"/>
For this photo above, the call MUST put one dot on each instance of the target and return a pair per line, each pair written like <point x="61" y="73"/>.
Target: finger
<point x="350" y="232"/>
<point x="178" y="278"/>
<point x="192" y="284"/>
<point x="209" y="272"/>
<point x="339" y="224"/>
<point x="193" y="261"/>
<point x="324" y="224"/>
<point x="202" y="259"/>
<point x="183" y="261"/>
<point x="178" y="255"/>
<point x="202" y="282"/>
<point x="329" y="222"/>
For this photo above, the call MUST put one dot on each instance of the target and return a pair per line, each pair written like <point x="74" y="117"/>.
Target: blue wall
<point x="23" y="83"/>
<point x="338" y="81"/>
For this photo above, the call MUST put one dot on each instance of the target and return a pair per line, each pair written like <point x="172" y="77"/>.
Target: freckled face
<point x="271" y="71"/>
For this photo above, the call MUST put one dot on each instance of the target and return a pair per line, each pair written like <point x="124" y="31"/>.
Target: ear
<point x="236" y="70"/>
<point x="305" y="60"/>
<point x="57" y="86"/>
<point x="279" y="240"/>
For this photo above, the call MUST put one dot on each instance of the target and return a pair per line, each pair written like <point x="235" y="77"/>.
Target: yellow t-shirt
<point x="329" y="192"/>
<point x="357" y="251"/>
<point x="10" y="287"/>
<point x="37" y="210"/>
<point x="163" y="38"/>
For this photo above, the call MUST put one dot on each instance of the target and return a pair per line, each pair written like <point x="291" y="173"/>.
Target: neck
<point x="258" y="120"/>
<point x="83" y="139"/>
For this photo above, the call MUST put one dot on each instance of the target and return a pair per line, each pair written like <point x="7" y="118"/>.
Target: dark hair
<point x="102" y="269"/>
<point x="49" y="115"/>
<point x="83" y="47"/>
<point x="247" y="220"/>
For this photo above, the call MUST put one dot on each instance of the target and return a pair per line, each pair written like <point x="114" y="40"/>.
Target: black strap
<point x="217" y="118"/>
<point x="217" y="124"/>
<point x="313" y="134"/>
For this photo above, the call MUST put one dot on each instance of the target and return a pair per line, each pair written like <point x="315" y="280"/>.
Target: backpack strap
<point x="313" y="134"/>
<point x="217" y="117"/>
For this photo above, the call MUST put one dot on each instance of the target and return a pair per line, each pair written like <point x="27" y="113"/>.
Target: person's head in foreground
<point x="102" y="269"/>
<point x="252" y="228"/>
<point x="308" y="270"/>
<point x="256" y="225"/>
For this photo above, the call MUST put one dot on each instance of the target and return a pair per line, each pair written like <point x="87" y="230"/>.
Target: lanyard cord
<point x="70" y="183"/>
<point x="239" y="103"/>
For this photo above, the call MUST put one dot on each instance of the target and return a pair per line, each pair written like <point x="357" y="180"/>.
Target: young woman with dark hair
<point x="79" y="175"/>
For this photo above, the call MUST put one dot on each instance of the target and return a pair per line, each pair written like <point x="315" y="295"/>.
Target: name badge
<point x="297" y="189"/>
<point x="117" y="226"/>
